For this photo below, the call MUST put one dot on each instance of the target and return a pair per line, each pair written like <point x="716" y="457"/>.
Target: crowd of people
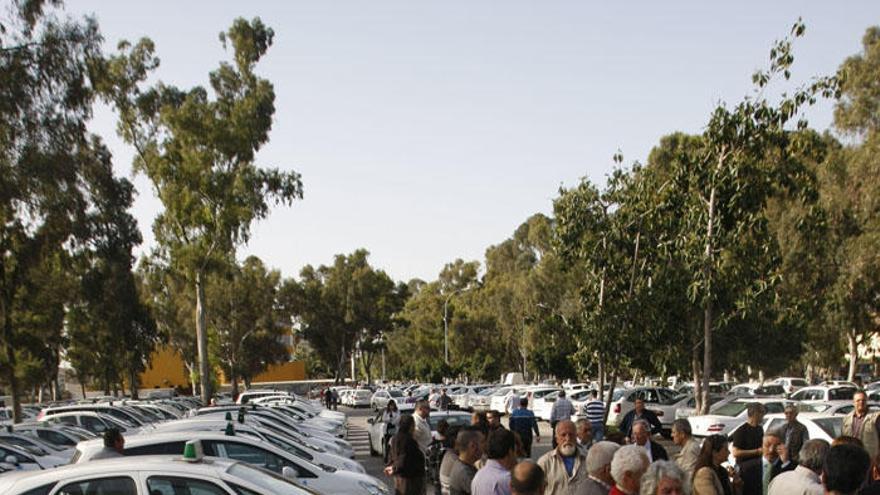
<point x="485" y="458"/>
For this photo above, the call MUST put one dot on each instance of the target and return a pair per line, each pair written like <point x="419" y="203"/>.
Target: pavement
<point x="358" y="436"/>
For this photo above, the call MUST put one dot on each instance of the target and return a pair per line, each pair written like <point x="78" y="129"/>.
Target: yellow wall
<point x="167" y="370"/>
<point x="283" y="372"/>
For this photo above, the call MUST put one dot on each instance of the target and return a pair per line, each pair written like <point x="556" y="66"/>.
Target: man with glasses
<point x="793" y="432"/>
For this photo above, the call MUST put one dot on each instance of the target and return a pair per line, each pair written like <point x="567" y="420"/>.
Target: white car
<point x="539" y="392"/>
<point x="481" y="400"/>
<point x="756" y="390"/>
<point x="381" y="398"/>
<point x="687" y="406"/>
<point x="823" y="393"/>
<point x="25" y="460"/>
<point x="259" y="453"/>
<point x="728" y="417"/>
<point x="462" y="398"/>
<point x="501" y="398"/>
<point x="96" y="423"/>
<point x="842" y="407"/>
<point x="376" y="428"/>
<point x="791" y="384"/>
<point x="359" y="398"/>
<point x="543" y="406"/>
<point x="154" y="474"/>
<point x="657" y="399"/>
<point x="253" y="429"/>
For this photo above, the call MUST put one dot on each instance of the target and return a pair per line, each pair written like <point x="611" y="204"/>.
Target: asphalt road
<point x="358" y="436"/>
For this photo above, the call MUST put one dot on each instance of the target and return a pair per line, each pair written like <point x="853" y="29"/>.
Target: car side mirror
<point x="288" y="472"/>
<point x="11" y="459"/>
<point x="370" y="421"/>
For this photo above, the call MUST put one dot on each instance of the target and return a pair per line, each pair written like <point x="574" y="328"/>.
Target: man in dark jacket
<point x="640" y="413"/>
<point x="793" y="432"/>
<point x="642" y="438"/>
<point x="407" y="460"/>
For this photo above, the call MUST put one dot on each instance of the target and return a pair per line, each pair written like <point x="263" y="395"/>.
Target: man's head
<point x="791" y="412"/>
<point x="755" y="411"/>
<point x="681" y="431"/>
<point x="442" y="391"/>
<point x="641" y="433"/>
<point x="812" y="455"/>
<point x="599" y="460"/>
<point x="860" y="402"/>
<point x="594" y="394"/>
<point x="770" y="446"/>
<point x="113" y="439"/>
<point x="561" y="394"/>
<point x="469" y="444"/>
<point x="566" y="438"/>
<point x="640" y="406"/>
<point x="628" y="466"/>
<point x="423" y="409"/>
<point x="524" y="402"/>
<point x="845" y="469"/>
<point x="494" y="419"/>
<point x="663" y="478"/>
<point x="584" y="431"/>
<point x="527" y="478"/>
<point x="501" y="446"/>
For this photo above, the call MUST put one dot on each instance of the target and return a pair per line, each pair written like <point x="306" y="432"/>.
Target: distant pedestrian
<point x="114" y="445"/>
<point x="494" y="477"/>
<point x="793" y="432"/>
<point x="407" y="460"/>
<point x="444" y="402"/>
<point x="690" y="448"/>
<point x="334" y="395"/>
<point x="565" y="467"/>
<point x="584" y="435"/>
<point x="562" y="409"/>
<point x="527" y="478"/>
<point x="390" y="418"/>
<point x="594" y="410"/>
<point x="640" y="412"/>
<point x="523" y="423"/>
<point x="513" y="402"/>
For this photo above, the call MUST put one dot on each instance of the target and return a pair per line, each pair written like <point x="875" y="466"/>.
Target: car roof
<point x="805" y="415"/>
<point x="211" y="466"/>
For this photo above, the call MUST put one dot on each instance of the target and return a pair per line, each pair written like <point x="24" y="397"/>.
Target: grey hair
<point x="599" y="456"/>
<point x="683" y="426"/>
<point x="812" y="454"/>
<point x="644" y="424"/>
<point x="660" y="470"/>
<point x="628" y="459"/>
<point x="582" y="421"/>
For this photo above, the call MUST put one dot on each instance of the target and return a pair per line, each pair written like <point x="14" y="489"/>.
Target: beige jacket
<point x="706" y="482"/>
<point x="869" y="431"/>
<point x="687" y="458"/>
<point x="558" y="480"/>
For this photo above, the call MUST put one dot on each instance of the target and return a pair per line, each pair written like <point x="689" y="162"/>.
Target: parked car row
<point x="270" y="442"/>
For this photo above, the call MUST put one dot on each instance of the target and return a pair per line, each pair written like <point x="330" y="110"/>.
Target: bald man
<point x="565" y="467"/>
<point x="527" y="478"/>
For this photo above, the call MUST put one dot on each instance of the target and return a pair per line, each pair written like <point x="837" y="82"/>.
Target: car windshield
<point x="618" y="394"/>
<point x="501" y="392"/>
<point x="451" y="419"/>
<point x="487" y="391"/>
<point x="395" y="393"/>
<point x="732" y="409"/>
<point x="265" y="479"/>
<point x="841" y="393"/>
<point x="799" y="383"/>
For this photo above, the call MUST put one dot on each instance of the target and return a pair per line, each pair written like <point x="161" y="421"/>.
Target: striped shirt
<point x="595" y="411"/>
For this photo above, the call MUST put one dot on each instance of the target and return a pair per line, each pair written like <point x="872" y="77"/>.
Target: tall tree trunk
<point x="133" y="382"/>
<point x="11" y="379"/>
<point x="698" y="382"/>
<point x="707" y="304"/>
<point x="202" y="341"/>
<point x="601" y="371"/>
<point x="853" y="355"/>
<point x="610" y="394"/>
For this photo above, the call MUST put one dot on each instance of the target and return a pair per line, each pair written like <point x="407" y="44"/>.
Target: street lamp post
<point x="446" y="322"/>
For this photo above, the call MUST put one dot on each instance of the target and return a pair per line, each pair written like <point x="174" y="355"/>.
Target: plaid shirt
<point x="562" y="409"/>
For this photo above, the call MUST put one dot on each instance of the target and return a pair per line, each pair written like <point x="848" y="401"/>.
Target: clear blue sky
<point x="428" y="131"/>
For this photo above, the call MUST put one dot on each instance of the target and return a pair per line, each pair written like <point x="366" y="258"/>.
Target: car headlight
<point x="374" y="489"/>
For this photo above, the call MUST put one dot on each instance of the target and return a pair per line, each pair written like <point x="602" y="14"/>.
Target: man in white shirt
<point x="422" y="432"/>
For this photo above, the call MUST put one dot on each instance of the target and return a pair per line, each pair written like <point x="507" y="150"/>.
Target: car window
<point x="845" y="409"/>
<point x="254" y="455"/>
<point x="833" y="426"/>
<point x="841" y="394"/>
<point x="271" y="482"/>
<point x="773" y="424"/>
<point x="19" y="458"/>
<point x="55" y="437"/>
<point x="31" y="447"/>
<point x="174" y="485"/>
<point x="799" y="383"/>
<point x="165" y="448"/>
<point x="41" y="490"/>
<point x="732" y="409"/>
<point x="774" y="407"/>
<point x="122" y="485"/>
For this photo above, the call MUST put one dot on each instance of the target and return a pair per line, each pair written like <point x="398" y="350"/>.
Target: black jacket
<point x="407" y="459"/>
<point x="648" y="415"/>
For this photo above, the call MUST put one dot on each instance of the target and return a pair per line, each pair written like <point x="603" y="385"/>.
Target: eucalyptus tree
<point x="199" y="152"/>
<point x="728" y="188"/>
<point x="47" y="88"/>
